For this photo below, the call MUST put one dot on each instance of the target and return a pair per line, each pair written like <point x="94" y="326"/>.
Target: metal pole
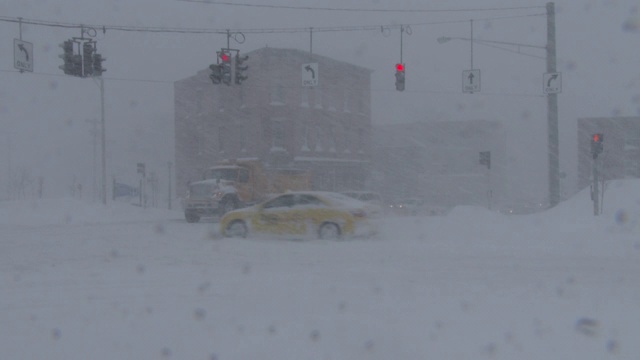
<point x="471" y="45"/>
<point x="552" y="112"/>
<point x="104" y="144"/>
<point x="401" y="31"/>
<point x="594" y="188"/>
<point x="310" y="43"/>
<point x="169" y="166"/>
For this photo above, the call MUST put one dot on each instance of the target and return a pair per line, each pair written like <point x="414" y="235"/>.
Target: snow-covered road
<point x="78" y="281"/>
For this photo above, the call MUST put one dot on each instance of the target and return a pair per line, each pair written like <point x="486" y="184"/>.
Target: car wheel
<point x="191" y="217"/>
<point x="329" y="231"/>
<point x="236" y="229"/>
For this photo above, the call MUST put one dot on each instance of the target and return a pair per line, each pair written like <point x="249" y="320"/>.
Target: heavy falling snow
<point x="81" y="281"/>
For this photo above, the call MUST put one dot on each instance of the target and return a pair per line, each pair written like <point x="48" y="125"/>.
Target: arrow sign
<point x="552" y="83"/>
<point x="470" y="81"/>
<point x="310" y="74"/>
<point x="24" y="50"/>
<point x="22" y="55"/>
<point x="313" y="72"/>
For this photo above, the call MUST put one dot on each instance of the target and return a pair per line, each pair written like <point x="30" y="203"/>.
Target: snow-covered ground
<point x="83" y="281"/>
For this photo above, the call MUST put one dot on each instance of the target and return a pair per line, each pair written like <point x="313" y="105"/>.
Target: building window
<point x="347" y="101"/>
<point x="222" y="134"/>
<point x="361" y="103"/>
<point x="331" y="141"/>
<point x="278" y="130"/>
<point x="318" y="99"/>
<point x="305" y="136"/>
<point x="304" y="97"/>
<point x="277" y="95"/>
<point x="632" y="154"/>
<point x="332" y="100"/>
<point x="242" y="138"/>
<point x="241" y="96"/>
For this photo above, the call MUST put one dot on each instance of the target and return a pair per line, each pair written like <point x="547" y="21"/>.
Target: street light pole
<point x="104" y="145"/>
<point x="552" y="112"/>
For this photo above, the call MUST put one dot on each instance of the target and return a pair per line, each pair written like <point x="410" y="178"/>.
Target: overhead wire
<point x="105" y="27"/>
<point x="293" y="7"/>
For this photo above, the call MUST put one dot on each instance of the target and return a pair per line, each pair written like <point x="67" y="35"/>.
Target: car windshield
<point x="230" y="174"/>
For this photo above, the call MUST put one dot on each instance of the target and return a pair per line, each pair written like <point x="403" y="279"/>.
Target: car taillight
<point x="358" y="213"/>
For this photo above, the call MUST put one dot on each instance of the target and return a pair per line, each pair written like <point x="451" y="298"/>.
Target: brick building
<point x="621" y="156"/>
<point x="271" y="116"/>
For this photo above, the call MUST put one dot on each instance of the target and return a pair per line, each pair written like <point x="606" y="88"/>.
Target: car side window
<point x="307" y="200"/>
<point x="280" y="201"/>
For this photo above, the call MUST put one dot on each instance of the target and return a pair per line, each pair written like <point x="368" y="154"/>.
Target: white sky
<point x="83" y="281"/>
<point x="44" y="115"/>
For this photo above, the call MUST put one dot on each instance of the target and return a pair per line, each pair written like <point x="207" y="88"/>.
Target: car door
<point x="273" y="215"/>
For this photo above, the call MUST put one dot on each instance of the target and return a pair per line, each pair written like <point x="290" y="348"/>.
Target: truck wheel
<point x="236" y="229"/>
<point x="329" y="231"/>
<point x="191" y="217"/>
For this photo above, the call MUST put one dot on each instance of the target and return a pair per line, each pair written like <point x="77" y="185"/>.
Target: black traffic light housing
<point x="240" y="68"/>
<point x="88" y="50"/>
<point x="67" y="57"/>
<point x="485" y="158"/>
<point x="98" y="69"/>
<point x="216" y="73"/>
<point x="225" y="66"/>
<point x="400" y="76"/>
<point x="597" y="144"/>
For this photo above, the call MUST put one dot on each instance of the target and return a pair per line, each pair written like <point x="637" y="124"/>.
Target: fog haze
<point x="46" y="117"/>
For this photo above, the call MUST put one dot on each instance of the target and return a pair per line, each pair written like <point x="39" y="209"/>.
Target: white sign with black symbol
<point x="310" y="74"/>
<point x="22" y="55"/>
<point x="470" y="81"/>
<point x="552" y="83"/>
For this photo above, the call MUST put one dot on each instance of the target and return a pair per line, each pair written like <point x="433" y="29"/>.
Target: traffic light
<point x="400" y="77"/>
<point x="485" y="158"/>
<point x="97" y="65"/>
<point x="77" y="65"/>
<point x="240" y="68"/>
<point x="67" y="57"/>
<point x="225" y="67"/>
<point x="88" y="50"/>
<point x="216" y="73"/>
<point x="596" y="145"/>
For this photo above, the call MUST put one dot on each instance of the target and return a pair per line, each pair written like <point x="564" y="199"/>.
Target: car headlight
<point x="218" y="195"/>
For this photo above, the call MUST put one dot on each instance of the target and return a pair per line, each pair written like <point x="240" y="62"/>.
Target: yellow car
<point x="321" y="214"/>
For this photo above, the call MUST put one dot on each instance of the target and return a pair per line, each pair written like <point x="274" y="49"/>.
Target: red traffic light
<point x="597" y="137"/>
<point x="225" y="57"/>
<point x="400" y="67"/>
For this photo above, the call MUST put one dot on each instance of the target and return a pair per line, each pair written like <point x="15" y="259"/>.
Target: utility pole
<point x="104" y="144"/>
<point x="552" y="112"/>
<point x="595" y="193"/>
<point x="169" y="166"/>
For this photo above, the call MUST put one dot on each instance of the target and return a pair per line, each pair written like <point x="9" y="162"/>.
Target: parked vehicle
<point x="238" y="183"/>
<point x="416" y="206"/>
<point x="366" y="196"/>
<point x="325" y="215"/>
<point x="370" y="197"/>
